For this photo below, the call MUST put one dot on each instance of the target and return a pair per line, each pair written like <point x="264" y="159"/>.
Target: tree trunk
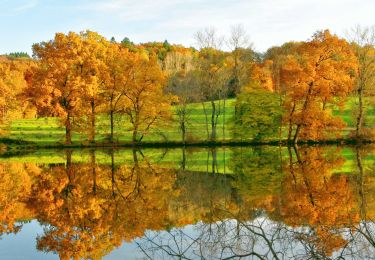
<point x="206" y="118"/>
<point x="183" y="131"/>
<point x="135" y="158"/>
<point x="112" y="126"/>
<point x="358" y="130"/>
<point x="92" y="129"/>
<point x="305" y="104"/>
<point x="225" y="97"/>
<point x="135" y="135"/>
<point x="290" y="130"/>
<point x="135" y="128"/>
<point x="296" y="134"/>
<point x="278" y="89"/>
<point x="68" y="130"/>
<point x="213" y="124"/>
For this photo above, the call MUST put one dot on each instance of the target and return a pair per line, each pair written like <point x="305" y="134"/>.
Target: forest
<point x="83" y="89"/>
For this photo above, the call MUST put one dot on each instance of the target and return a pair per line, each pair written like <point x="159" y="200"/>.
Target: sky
<point x="267" y="22"/>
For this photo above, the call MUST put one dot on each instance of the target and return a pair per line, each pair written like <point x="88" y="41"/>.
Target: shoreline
<point x="10" y="144"/>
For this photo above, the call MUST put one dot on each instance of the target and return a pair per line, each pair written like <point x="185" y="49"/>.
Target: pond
<point x="263" y="202"/>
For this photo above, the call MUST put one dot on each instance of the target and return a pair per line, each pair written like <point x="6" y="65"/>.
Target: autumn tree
<point x="12" y="85"/>
<point x="115" y="80"/>
<point x="212" y="76"/>
<point x="273" y="60"/>
<point x="258" y="108"/>
<point x="7" y="89"/>
<point x="68" y="79"/>
<point x="319" y="76"/>
<point x="362" y="40"/>
<point x="54" y="87"/>
<point x="183" y="83"/>
<point x="92" y="66"/>
<point x="145" y="102"/>
<point x="242" y="55"/>
<point x="179" y="59"/>
<point x="184" y="86"/>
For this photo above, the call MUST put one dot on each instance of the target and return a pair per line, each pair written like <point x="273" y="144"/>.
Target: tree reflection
<point x="310" y="215"/>
<point x="316" y="195"/>
<point x="271" y="203"/>
<point x="15" y="186"/>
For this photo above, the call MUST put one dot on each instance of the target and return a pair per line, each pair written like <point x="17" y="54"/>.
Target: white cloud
<point x="269" y="22"/>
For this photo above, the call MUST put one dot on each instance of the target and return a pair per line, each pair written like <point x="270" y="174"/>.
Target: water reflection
<point x="255" y="203"/>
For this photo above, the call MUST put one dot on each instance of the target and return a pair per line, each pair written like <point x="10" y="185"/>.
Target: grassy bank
<point x="48" y="132"/>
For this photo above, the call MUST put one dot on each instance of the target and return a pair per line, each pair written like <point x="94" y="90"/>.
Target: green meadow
<point x="50" y="131"/>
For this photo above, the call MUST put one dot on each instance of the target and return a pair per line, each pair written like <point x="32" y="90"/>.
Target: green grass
<point x="348" y="113"/>
<point x="49" y="131"/>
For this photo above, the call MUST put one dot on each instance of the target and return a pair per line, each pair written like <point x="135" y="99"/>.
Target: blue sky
<point x="268" y="22"/>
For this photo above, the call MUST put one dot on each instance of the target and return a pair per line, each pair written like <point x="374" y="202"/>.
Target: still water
<point x="223" y="203"/>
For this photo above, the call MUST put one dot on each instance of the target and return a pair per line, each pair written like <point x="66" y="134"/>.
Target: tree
<point x="257" y="115"/>
<point x="184" y="86"/>
<point x="208" y="38"/>
<point x="179" y="59"/>
<point x="92" y="67"/>
<point x="17" y="55"/>
<point x="212" y="76"/>
<point x="126" y="43"/>
<point x="320" y="75"/>
<point x="68" y="78"/>
<point x="238" y="43"/>
<point x="269" y="71"/>
<point x="278" y="55"/>
<point x="115" y="79"/>
<point x="54" y="88"/>
<point x="362" y="40"/>
<point x="146" y="104"/>
<point x="12" y="85"/>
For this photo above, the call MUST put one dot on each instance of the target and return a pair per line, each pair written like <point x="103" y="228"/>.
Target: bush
<point x="257" y="115"/>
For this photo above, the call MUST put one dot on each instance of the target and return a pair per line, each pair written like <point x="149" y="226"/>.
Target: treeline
<point x="288" y="92"/>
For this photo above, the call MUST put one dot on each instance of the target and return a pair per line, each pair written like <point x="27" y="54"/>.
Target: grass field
<point x="47" y="131"/>
<point x="50" y="131"/>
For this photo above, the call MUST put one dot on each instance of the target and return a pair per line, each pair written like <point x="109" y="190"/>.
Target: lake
<point x="310" y="202"/>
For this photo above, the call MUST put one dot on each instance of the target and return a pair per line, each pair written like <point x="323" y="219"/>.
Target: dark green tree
<point x="257" y="115"/>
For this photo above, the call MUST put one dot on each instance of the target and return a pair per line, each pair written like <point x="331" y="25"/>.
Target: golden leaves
<point x="318" y="76"/>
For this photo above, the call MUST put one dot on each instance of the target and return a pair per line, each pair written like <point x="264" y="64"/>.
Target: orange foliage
<point x="320" y="75"/>
<point x="314" y="196"/>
